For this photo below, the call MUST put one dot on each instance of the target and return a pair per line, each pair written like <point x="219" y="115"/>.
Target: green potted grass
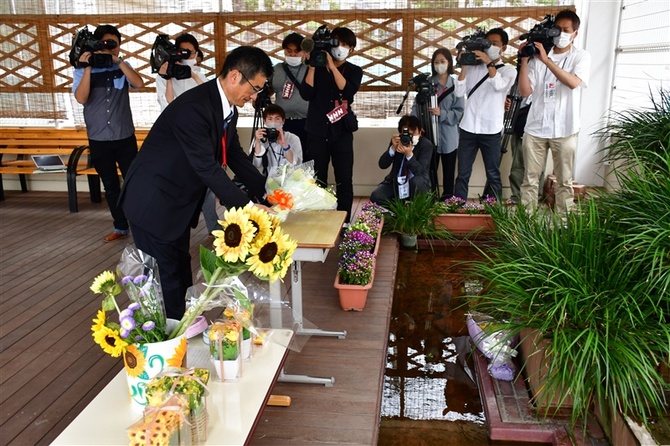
<point x="414" y="218"/>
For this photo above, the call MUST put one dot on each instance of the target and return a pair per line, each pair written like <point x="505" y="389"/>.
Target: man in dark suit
<point x="410" y="161"/>
<point x="181" y="157"/>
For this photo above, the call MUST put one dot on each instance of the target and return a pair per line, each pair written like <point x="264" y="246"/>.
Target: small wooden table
<point x="316" y="233"/>
<point x="234" y="407"/>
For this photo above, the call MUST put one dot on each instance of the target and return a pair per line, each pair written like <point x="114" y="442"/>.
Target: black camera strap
<point x="444" y="94"/>
<point x="291" y="76"/>
<point x="481" y="81"/>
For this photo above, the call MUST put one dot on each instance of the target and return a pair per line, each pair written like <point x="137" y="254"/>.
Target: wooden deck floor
<point x="50" y="369"/>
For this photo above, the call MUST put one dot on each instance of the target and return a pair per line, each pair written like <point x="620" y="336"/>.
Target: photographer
<point x="330" y="124"/>
<point x="553" y="80"/>
<point x="449" y="112"/>
<point x="109" y="121"/>
<point x="409" y="154"/>
<point x="272" y="146"/>
<point x="168" y="89"/>
<point x="486" y="85"/>
<point x="286" y="83"/>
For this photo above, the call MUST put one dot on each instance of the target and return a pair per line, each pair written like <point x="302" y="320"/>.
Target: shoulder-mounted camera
<point x="543" y="32"/>
<point x="321" y="41"/>
<point x="166" y="51"/>
<point x="474" y="42"/>
<point x="82" y="42"/>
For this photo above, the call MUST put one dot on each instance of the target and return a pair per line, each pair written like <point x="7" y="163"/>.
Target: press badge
<point x="403" y="187"/>
<point x="287" y="91"/>
<point x="338" y="112"/>
<point x="549" y="91"/>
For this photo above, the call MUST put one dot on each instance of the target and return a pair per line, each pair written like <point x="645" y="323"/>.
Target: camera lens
<point x="405" y="138"/>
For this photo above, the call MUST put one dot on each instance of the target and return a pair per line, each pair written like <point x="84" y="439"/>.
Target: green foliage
<point x="415" y="217"/>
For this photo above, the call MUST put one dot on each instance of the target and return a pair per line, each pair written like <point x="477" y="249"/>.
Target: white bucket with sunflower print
<point x="145" y="361"/>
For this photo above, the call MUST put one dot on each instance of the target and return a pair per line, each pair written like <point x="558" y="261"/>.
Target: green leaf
<point x="207" y="262"/>
<point x="108" y="303"/>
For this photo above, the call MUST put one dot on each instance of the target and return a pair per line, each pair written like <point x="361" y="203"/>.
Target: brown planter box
<point x="463" y="224"/>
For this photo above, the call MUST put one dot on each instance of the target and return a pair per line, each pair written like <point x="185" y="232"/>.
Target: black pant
<point x="340" y="150"/>
<point x="174" y="266"/>
<point x="448" y="161"/>
<point x="106" y="155"/>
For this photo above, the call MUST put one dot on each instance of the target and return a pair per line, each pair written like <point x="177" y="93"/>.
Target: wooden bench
<point x="72" y="144"/>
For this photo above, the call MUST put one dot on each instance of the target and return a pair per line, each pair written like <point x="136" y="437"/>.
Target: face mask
<point x="339" y="53"/>
<point x="189" y="62"/>
<point x="493" y="52"/>
<point x="563" y="40"/>
<point x="273" y="125"/>
<point x="441" y="68"/>
<point x="293" y="61"/>
<point x="415" y="139"/>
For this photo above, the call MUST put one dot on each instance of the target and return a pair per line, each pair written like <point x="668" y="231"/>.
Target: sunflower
<point x="261" y="221"/>
<point x="134" y="360"/>
<point x="233" y="242"/>
<point x="110" y="341"/>
<point x="178" y="358"/>
<point x="105" y="281"/>
<point x="99" y="321"/>
<point x="269" y="259"/>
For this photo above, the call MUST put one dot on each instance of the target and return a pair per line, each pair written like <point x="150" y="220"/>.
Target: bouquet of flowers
<point x="294" y="188"/>
<point x="174" y="396"/>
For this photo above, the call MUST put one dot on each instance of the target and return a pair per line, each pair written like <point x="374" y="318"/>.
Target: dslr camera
<point x="543" y="32"/>
<point x="474" y="42"/>
<point x="271" y="134"/>
<point x="82" y="42"/>
<point x="166" y="51"/>
<point x="405" y="137"/>
<point x="321" y="41"/>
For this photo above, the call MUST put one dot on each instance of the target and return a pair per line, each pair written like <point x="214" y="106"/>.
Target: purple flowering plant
<point x="356" y="240"/>
<point x="453" y="204"/>
<point x="357" y="268"/>
<point x="357" y="261"/>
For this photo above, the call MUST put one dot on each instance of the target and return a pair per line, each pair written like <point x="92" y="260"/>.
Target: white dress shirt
<point x="178" y="86"/>
<point x="485" y="109"/>
<point x="556" y="115"/>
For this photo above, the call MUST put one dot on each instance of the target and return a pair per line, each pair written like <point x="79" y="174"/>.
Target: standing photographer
<point x="103" y="91"/>
<point x="486" y="85"/>
<point x="330" y="90"/>
<point x="553" y="119"/>
<point x="409" y="155"/>
<point x="273" y="147"/>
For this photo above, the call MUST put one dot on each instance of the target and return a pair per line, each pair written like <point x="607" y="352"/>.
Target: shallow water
<point x="430" y="396"/>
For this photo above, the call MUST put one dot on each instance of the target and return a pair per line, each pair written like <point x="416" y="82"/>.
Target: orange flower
<point x="282" y="199"/>
<point x="180" y="352"/>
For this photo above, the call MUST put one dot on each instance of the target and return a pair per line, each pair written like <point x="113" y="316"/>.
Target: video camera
<point x="474" y="42"/>
<point x="424" y="88"/>
<point x="83" y="41"/>
<point x="543" y="32"/>
<point x="321" y="41"/>
<point x="166" y="51"/>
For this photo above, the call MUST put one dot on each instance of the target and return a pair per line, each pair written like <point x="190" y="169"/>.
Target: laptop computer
<point x="49" y="163"/>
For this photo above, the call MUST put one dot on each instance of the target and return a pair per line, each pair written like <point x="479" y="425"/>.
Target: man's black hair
<point x="345" y="35"/>
<point x="501" y="32"/>
<point x="293" y="38"/>
<point x="570" y="15"/>
<point x="274" y="109"/>
<point x="410" y="122"/>
<point x="248" y="60"/>
<point x="101" y="30"/>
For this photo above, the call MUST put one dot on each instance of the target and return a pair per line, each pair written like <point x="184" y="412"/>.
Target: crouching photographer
<point x="273" y="147"/>
<point x="409" y="155"/>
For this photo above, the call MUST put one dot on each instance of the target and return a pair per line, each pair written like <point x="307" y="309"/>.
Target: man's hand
<point x="260" y="134"/>
<point x="481" y="56"/>
<point x="163" y="69"/>
<point x="540" y="53"/>
<point x="434" y="110"/>
<point x="265" y="208"/>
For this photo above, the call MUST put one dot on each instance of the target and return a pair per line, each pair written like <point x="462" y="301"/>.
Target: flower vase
<point x="353" y="297"/>
<point x="246" y="348"/>
<point x="227" y="370"/>
<point x="144" y="361"/>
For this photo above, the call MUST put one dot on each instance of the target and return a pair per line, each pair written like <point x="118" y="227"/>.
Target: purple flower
<point x="139" y="279"/>
<point x="134" y="306"/>
<point x="356" y="269"/>
<point x="126" y="280"/>
<point x="453" y="204"/>
<point x="148" y="325"/>
<point x="124" y="333"/>
<point x="127" y="323"/>
<point x="125" y="314"/>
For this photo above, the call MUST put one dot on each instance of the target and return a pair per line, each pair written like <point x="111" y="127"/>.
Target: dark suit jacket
<point x="180" y="158"/>
<point x="419" y="164"/>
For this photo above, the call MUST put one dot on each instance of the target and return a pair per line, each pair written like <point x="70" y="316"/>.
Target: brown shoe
<point x="113" y="236"/>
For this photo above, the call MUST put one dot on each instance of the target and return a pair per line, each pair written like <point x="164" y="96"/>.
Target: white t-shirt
<point x="554" y="112"/>
<point x="485" y="109"/>
<point x="275" y="153"/>
<point x="178" y="86"/>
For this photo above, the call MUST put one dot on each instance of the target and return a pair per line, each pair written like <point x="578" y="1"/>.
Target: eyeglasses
<point x="257" y="90"/>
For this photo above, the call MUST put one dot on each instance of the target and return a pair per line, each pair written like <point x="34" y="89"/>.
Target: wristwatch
<point x="491" y="64"/>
